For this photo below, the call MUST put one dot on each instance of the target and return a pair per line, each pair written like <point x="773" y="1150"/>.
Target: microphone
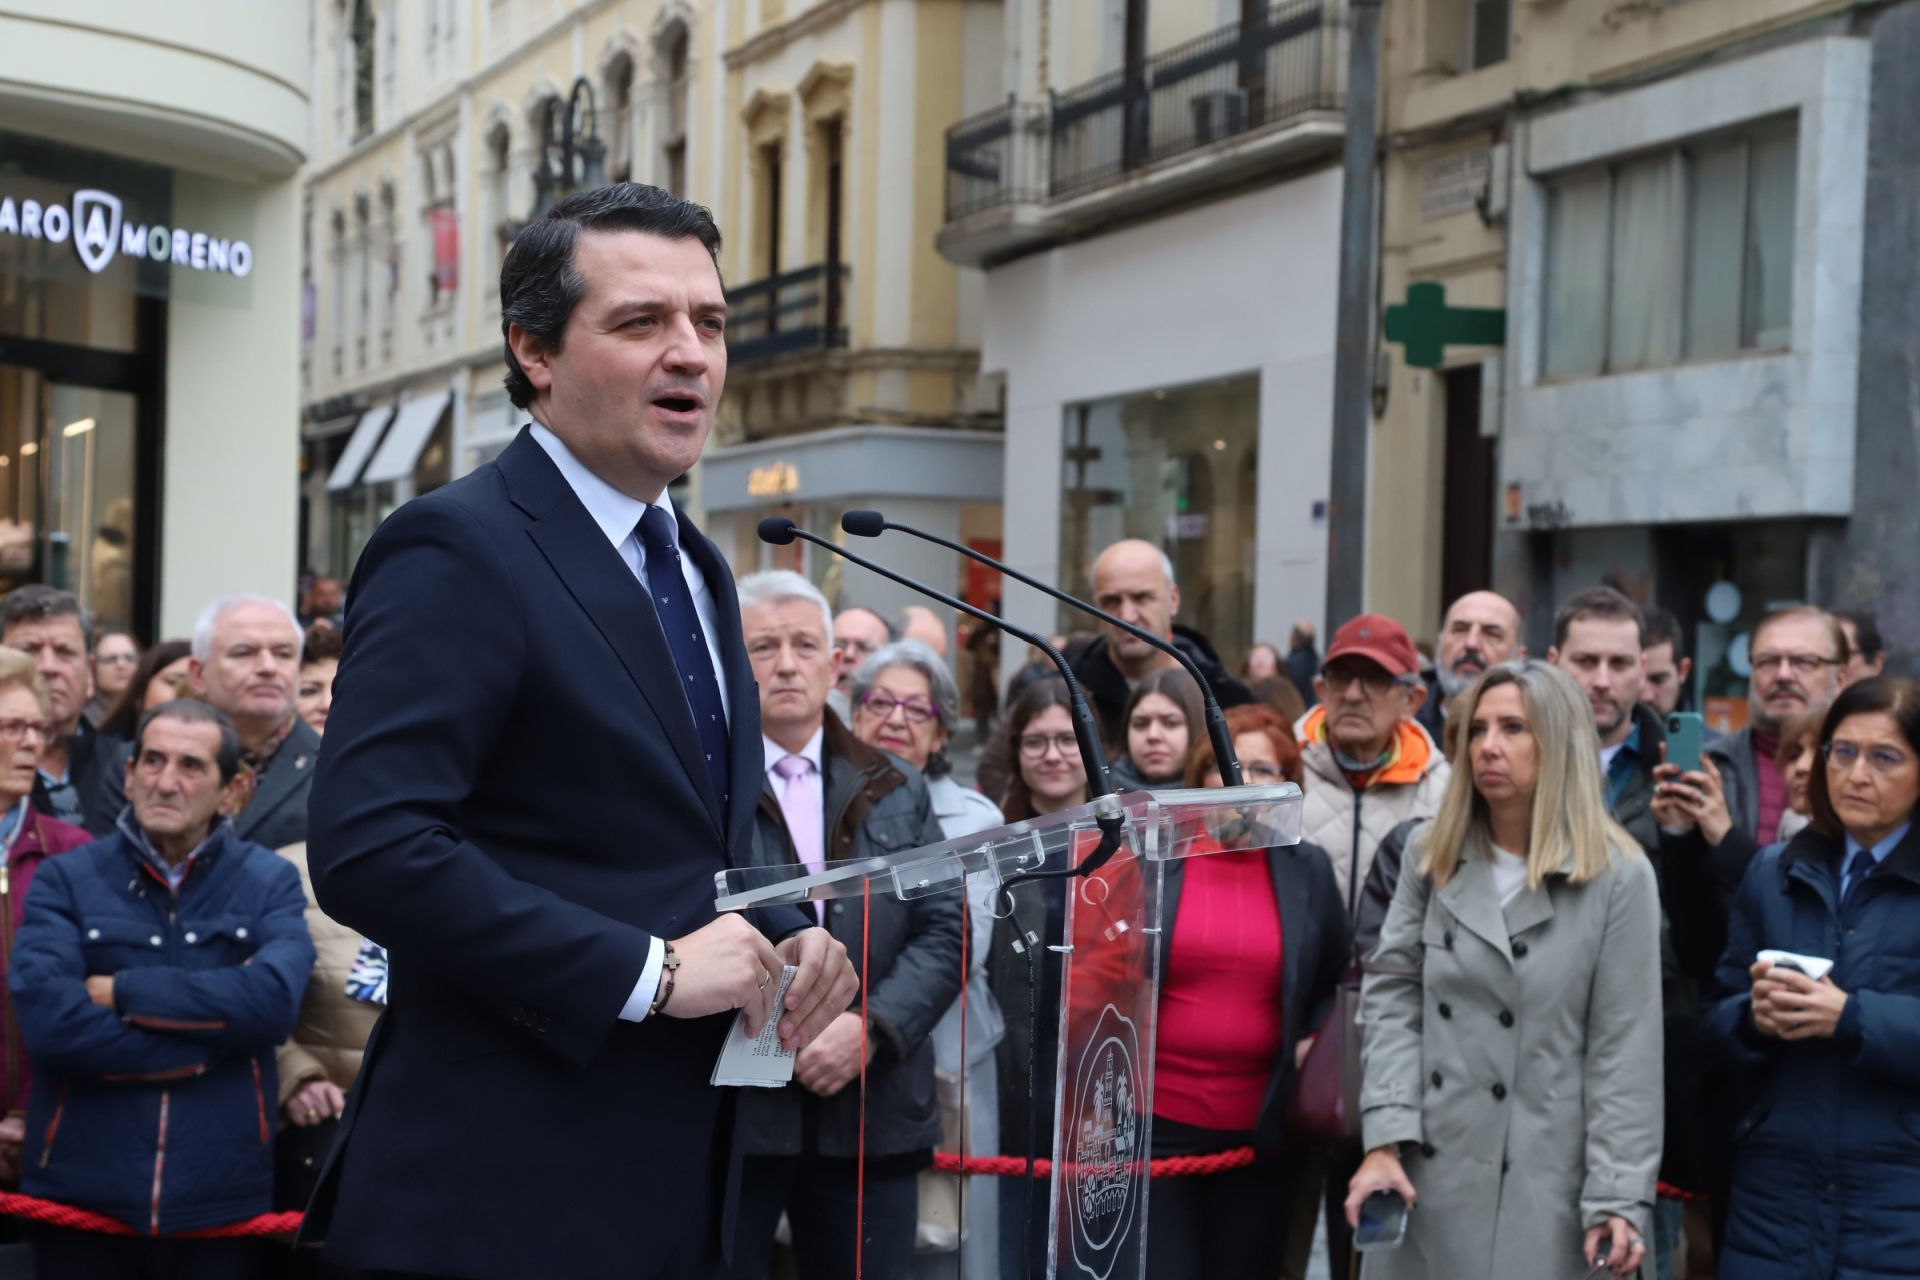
<point x="871" y="524"/>
<point x="780" y="531"/>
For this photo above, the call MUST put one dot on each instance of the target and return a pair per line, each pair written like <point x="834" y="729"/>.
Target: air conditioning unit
<point x="1218" y="113"/>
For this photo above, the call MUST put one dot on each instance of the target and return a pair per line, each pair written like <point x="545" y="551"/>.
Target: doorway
<point x="1470" y="467"/>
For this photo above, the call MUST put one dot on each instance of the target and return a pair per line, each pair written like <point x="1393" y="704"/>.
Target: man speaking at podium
<point x="544" y="743"/>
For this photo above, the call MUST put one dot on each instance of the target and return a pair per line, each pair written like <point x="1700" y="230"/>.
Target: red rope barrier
<point x="55" y="1214"/>
<point x="1165" y="1167"/>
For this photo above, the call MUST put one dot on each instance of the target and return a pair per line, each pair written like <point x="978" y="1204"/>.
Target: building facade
<point x="1152" y="194"/>
<point x="1694" y="219"/>
<point x="149" y="280"/>
<point x="811" y="129"/>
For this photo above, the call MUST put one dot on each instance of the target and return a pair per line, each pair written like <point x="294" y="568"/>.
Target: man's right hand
<point x="725" y="966"/>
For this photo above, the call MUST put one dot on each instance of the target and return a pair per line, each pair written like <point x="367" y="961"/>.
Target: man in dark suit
<point x="246" y="662"/>
<point x="544" y="745"/>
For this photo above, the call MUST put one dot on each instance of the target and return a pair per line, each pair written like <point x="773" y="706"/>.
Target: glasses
<point x="118" y="659"/>
<point x="15" y="730"/>
<point x="1844" y="755"/>
<point x="1803" y="664"/>
<point x="1033" y="746"/>
<point x="882" y="705"/>
<point x="1374" y="682"/>
<point x="856" y="648"/>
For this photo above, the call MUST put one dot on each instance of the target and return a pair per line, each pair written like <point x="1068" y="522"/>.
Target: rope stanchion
<point x="53" y="1213"/>
<point x="1165" y="1167"/>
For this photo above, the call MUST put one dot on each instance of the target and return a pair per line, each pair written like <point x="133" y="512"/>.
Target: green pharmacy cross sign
<point x="1426" y="326"/>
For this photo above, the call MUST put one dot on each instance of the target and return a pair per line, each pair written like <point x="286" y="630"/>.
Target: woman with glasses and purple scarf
<point x="904" y="701"/>
<point x="1820" y="1014"/>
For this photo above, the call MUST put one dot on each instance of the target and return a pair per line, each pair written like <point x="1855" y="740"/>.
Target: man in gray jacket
<point x="827" y="797"/>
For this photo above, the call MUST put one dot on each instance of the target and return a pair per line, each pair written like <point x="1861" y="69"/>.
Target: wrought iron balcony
<point x="1281" y="72"/>
<point x="802" y="310"/>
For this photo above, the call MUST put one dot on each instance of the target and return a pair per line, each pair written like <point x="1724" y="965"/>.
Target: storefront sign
<point x="775" y="480"/>
<point x="97" y="228"/>
<point x="1453" y="184"/>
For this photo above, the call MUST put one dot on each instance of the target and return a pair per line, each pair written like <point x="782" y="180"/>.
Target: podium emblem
<point x="1107" y="1156"/>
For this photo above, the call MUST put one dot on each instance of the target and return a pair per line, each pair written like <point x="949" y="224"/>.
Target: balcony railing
<point x="1236" y="79"/>
<point x="982" y="154"/>
<point x="803" y="310"/>
<point x="1287" y="61"/>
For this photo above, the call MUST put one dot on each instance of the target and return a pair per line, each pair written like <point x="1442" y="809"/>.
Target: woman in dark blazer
<point x="1252" y="947"/>
<point x="1826" y="1159"/>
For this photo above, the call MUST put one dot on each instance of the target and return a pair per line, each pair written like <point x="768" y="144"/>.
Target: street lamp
<point x="569" y="163"/>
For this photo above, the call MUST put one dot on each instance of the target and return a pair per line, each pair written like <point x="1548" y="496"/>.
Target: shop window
<point x="67" y="457"/>
<point x="1174" y="467"/>
<point x="1686" y="253"/>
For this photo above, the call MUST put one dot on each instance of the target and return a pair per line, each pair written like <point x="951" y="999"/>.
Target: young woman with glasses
<point x="1048" y="777"/>
<point x="1826" y="1158"/>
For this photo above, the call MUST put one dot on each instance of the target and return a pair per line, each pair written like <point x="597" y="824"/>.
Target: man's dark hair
<point x="1866" y="632"/>
<point x="1599" y="602"/>
<point x="1658" y="626"/>
<point x="194" y="711"/>
<point x="37" y="602"/>
<point x="539" y="283"/>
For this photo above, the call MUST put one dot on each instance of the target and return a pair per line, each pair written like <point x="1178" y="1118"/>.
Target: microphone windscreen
<point x="864" y="524"/>
<point x="776" y="529"/>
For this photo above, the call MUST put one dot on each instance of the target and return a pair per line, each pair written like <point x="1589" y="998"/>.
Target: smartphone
<point x="1383" y="1222"/>
<point x="1686" y="733"/>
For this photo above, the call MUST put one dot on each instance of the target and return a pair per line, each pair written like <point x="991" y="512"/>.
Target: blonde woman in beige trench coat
<point x="1511" y="1013"/>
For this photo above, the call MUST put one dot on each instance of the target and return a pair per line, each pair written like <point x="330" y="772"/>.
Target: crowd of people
<point x="1574" y="1055"/>
<point x="1572" y="1044"/>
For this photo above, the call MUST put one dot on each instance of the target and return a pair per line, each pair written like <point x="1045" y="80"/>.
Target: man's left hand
<point x="822" y="989"/>
<point x="100" y="989"/>
<point x="832" y="1062"/>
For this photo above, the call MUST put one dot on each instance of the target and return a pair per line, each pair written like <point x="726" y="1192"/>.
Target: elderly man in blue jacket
<point x="156" y="972"/>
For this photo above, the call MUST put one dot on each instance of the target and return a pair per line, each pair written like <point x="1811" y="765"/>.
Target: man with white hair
<point x="826" y="796"/>
<point x="1133" y="580"/>
<point x="246" y="662"/>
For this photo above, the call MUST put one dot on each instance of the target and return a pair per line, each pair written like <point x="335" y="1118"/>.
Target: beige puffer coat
<point x="1337" y="818"/>
<point x="331" y="1036"/>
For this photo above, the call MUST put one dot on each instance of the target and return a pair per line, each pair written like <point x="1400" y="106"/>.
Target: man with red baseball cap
<point x="1369" y="764"/>
<point x="1369" y="767"/>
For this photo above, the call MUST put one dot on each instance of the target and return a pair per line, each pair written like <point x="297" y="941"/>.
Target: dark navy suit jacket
<point x="512" y="799"/>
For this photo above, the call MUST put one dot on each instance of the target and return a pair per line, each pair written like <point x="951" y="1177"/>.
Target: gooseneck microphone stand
<point x="871" y="524"/>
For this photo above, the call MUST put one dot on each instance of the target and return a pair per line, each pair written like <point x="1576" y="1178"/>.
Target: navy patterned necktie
<point x="673" y="602"/>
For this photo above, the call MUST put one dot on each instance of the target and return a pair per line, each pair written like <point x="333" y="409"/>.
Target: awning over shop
<point x="400" y="451"/>
<point x="346" y="472"/>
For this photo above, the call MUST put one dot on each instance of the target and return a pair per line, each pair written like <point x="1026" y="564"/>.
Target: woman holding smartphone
<point x="1826" y="1160"/>
<point x="1511" y="1013"/>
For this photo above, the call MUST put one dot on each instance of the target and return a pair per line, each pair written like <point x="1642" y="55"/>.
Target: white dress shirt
<point x="618" y="516"/>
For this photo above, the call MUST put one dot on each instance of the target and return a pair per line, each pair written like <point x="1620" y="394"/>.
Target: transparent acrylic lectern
<point x="1096" y="937"/>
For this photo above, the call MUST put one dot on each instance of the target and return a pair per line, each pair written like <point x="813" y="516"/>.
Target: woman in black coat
<point x="1826" y="1159"/>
